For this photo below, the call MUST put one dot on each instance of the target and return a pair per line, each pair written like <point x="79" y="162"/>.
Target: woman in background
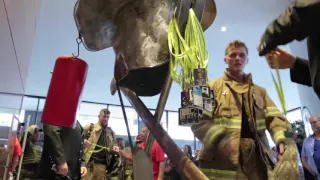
<point x="188" y="151"/>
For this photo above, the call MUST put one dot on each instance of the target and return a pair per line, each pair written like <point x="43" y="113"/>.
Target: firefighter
<point x="100" y="160"/>
<point x="235" y="145"/>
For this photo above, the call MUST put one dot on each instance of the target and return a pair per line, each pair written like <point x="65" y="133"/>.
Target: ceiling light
<point x="223" y="28"/>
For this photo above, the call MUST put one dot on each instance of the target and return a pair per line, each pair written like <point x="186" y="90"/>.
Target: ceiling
<point x="18" y="24"/>
<point x="56" y="35"/>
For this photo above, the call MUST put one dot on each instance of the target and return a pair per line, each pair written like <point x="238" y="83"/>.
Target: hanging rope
<point x="189" y="52"/>
<point x="278" y="84"/>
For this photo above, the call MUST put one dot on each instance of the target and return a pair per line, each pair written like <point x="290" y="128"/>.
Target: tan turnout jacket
<point x="262" y="115"/>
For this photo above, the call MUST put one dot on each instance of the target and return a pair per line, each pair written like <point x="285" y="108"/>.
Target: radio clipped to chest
<point x="197" y="101"/>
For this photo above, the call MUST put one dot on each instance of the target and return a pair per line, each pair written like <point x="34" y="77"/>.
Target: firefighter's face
<point x="104" y="118"/>
<point x="36" y="136"/>
<point x="236" y="58"/>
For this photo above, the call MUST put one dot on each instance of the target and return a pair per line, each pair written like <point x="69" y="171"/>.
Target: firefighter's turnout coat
<point x="225" y="126"/>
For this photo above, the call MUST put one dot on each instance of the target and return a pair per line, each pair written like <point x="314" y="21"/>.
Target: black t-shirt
<point x="245" y="127"/>
<point x="101" y="142"/>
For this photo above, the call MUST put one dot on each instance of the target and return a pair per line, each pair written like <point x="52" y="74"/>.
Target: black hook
<point x="79" y="41"/>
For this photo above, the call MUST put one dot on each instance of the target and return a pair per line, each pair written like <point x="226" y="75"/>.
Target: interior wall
<point x="18" y="22"/>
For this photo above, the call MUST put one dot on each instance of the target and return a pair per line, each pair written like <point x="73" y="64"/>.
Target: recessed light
<point x="223" y="28"/>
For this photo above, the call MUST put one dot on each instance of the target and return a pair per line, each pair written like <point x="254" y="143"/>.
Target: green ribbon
<point x="189" y="52"/>
<point x="99" y="149"/>
<point x="278" y="84"/>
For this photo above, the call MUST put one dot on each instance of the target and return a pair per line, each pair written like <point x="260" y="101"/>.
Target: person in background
<point x="17" y="151"/>
<point x="299" y="139"/>
<point x="311" y="149"/>
<point x="171" y="172"/>
<point x="157" y="155"/>
<point x="32" y="153"/>
<point x="188" y="151"/>
<point x="62" y="153"/>
<point x="126" y="169"/>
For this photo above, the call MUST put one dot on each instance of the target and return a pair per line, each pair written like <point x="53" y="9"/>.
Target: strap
<point x="254" y="128"/>
<point x="89" y="131"/>
<point x="91" y="127"/>
<point x="124" y="115"/>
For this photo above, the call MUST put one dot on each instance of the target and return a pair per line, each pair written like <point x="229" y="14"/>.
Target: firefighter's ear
<point x="247" y="60"/>
<point x="225" y="60"/>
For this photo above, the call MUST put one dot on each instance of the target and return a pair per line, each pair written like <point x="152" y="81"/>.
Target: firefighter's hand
<point x="62" y="169"/>
<point x="280" y="59"/>
<point x="230" y="148"/>
<point x="83" y="171"/>
<point x="86" y="143"/>
<point x="280" y="150"/>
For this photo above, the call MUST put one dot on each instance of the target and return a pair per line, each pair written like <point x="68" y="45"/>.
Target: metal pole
<point x="183" y="163"/>
<point x="23" y="146"/>
<point x="36" y="116"/>
<point x="160" y="108"/>
<point x="194" y="143"/>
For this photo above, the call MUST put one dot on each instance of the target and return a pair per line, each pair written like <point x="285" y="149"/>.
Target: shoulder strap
<point x="90" y="131"/>
<point x="91" y="127"/>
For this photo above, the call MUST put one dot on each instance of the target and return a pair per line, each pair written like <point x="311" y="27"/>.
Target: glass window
<point x="89" y="112"/>
<point x="182" y="135"/>
<point x="117" y="123"/>
<point x="163" y="121"/>
<point x="294" y="115"/>
<point x="5" y="119"/>
<point x="198" y="144"/>
<point x="30" y="105"/>
<point x="38" y="115"/>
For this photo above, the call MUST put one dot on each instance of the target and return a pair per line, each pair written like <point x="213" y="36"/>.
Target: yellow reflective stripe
<point x="278" y="137"/>
<point x="261" y="124"/>
<point x="272" y="111"/>
<point x="269" y="173"/>
<point x="212" y="134"/>
<point x="215" y="174"/>
<point x="231" y="123"/>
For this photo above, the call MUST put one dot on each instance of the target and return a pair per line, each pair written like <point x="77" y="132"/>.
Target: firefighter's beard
<point x="104" y="122"/>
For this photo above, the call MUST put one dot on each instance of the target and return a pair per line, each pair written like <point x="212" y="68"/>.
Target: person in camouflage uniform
<point x="235" y="145"/>
<point x="126" y="169"/>
<point x="96" y="136"/>
<point x="32" y="154"/>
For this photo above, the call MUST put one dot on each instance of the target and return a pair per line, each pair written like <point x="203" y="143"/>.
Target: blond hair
<point x="236" y="43"/>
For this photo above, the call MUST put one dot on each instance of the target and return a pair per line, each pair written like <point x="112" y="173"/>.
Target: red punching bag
<point x="67" y="81"/>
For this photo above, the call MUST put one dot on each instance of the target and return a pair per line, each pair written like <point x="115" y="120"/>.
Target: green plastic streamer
<point x="278" y="84"/>
<point x="189" y="52"/>
<point x="99" y="149"/>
